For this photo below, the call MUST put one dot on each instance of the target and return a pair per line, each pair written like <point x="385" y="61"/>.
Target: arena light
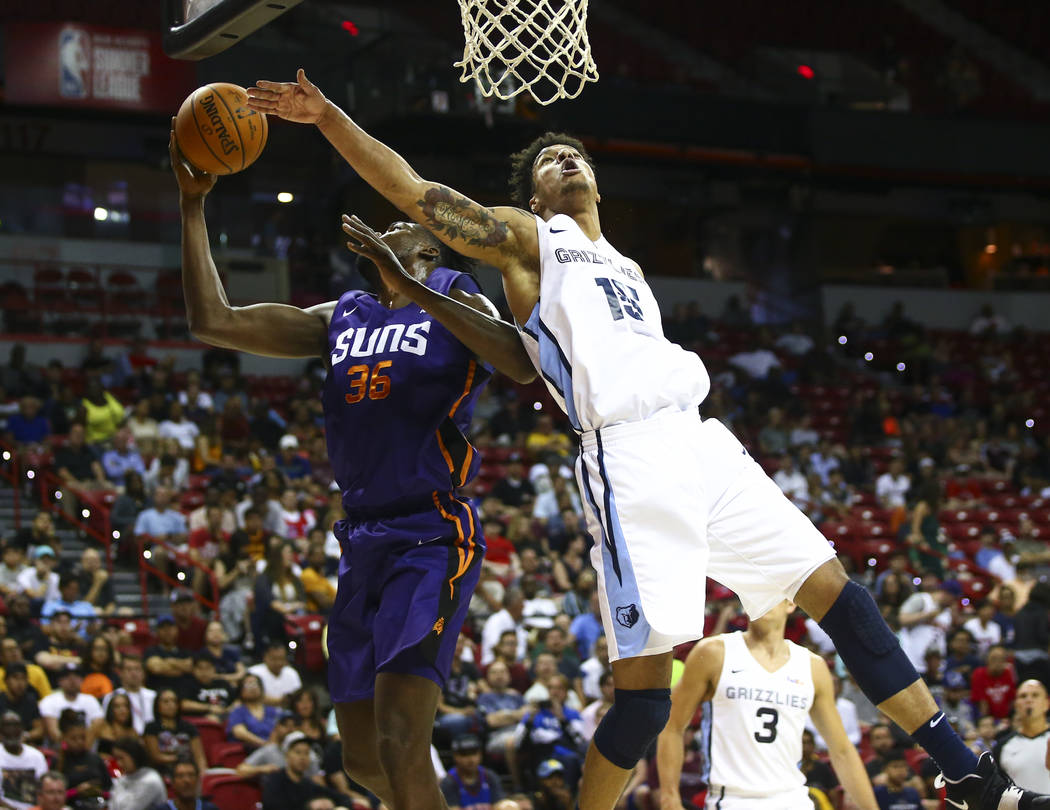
<point x="85" y="513"/>
<point x="916" y="581"/>
<point x="901" y="367"/>
<point x="285" y="196"/>
<point x="869" y="356"/>
<point x="966" y="601"/>
<point x="537" y="406"/>
<point x="1029" y="423"/>
<point x="116" y="535"/>
<point x="990" y="248"/>
<point x="30" y="474"/>
<point x="806" y="72"/>
<point x="147" y="555"/>
<point x="101" y="214"/>
<point x="58" y="494"/>
<point x="7" y="456"/>
<point x="181" y="576"/>
<point x="843" y="340"/>
<point x="292" y="645"/>
<point x="350" y="28"/>
<point x="871" y="562"/>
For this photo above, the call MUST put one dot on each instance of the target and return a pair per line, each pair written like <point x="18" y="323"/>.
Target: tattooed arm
<point x="504" y="237"/>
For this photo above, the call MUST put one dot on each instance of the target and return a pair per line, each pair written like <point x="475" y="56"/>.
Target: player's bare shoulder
<point x="706" y="659"/>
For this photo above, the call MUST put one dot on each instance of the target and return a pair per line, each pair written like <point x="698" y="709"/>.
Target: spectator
<point x="63" y="646"/>
<point x="468" y="783"/>
<point x="169" y="738"/>
<point x="23" y="699"/>
<point x="29" y="425"/>
<point x="457" y="709"/>
<point x="553" y="791"/>
<point x="956" y="705"/>
<point x="308" y="719"/>
<point x="924" y="617"/>
<point x="891" y="488"/>
<point x="992" y="557"/>
<point x="22" y="765"/>
<point x="961" y="656"/>
<point x="880" y="738"/>
<point x="792" y="482"/>
<point x="294" y="466"/>
<point x="545" y="439"/>
<point x="269" y="758"/>
<point x="514" y="489"/>
<point x="320" y="592"/>
<point x="95" y="586"/>
<point x="162" y="527"/>
<point x="538" y="610"/>
<point x="170" y="468"/>
<point x="278" y="679"/>
<point x="988" y="322"/>
<point x="818" y="773"/>
<point x="506" y="650"/>
<point x="500" y="707"/>
<point x="1005" y="610"/>
<point x="993" y="685"/>
<point x="68" y="696"/>
<point x="69" y="601"/>
<point x="227" y="659"/>
<point x="52" y="793"/>
<point x="773" y="438"/>
<point x="291" y="787"/>
<point x="1023" y="752"/>
<point x="894" y="794"/>
<point x="122" y="458"/>
<point x="268" y="510"/>
<point x="140" y="786"/>
<point x="12" y="563"/>
<point x="190" y="626"/>
<point x="203" y="694"/>
<point x="226" y="522"/>
<point x="556" y="643"/>
<point x="552" y="730"/>
<point x="126" y="508"/>
<point x="100" y="668"/>
<point x="186" y="787"/>
<point x="983" y="628"/>
<point x="86" y="774"/>
<point x="252" y="720"/>
<point x="178" y="427"/>
<point x="143" y="427"/>
<point x="117" y="722"/>
<point x="141" y="699"/>
<point x="1032" y="635"/>
<point x="167" y="663"/>
<point x="11" y="654"/>
<point x="101" y="413"/>
<point x="594" y="711"/>
<point x="592" y="670"/>
<point x="278" y="593"/>
<point x="39" y="581"/>
<point x="509" y="618"/>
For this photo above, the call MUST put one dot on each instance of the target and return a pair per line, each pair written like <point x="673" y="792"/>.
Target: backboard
<point x="196" y="29"/>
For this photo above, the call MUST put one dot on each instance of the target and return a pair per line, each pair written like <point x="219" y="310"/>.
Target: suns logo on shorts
<point x="627" y="615"/>
<point x="439" y="625"/>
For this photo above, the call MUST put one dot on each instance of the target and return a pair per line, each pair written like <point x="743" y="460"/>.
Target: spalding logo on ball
<point x="216" y="132"/>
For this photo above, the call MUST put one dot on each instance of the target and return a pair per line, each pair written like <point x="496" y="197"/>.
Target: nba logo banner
<point x="74" y="58"/>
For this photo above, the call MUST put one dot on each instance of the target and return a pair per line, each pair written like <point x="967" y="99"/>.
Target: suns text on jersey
<point x="361" y="341"/>
<point x="770" y="696"/>
<point x="568" y="255"/>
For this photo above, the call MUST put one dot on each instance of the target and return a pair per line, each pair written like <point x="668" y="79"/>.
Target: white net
<point x="539" y="46"/>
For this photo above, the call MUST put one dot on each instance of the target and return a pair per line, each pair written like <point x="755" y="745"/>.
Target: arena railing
<point x="11" y="471"/>
<point x="92" y="515"/>
<point x="185" y="565"/>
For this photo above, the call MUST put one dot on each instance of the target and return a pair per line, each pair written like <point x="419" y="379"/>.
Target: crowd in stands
<point x="921" y="454"/>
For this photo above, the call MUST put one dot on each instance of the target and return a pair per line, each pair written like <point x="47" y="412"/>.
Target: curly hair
<point x="522" y="184"/>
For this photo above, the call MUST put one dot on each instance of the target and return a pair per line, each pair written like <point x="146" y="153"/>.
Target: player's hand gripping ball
<point x="216" y="130"/>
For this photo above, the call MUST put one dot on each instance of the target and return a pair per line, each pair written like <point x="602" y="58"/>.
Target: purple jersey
<point x="398" y="399"/>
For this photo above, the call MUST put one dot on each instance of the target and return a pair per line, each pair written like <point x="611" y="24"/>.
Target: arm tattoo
<point x="459" y="218"/>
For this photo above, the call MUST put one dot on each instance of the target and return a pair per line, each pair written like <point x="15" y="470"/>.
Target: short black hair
<point x="71" y="718"/>
<point x="447" y="257"/>
<point x="522" y="184"/>
<point x="134" y="748"/>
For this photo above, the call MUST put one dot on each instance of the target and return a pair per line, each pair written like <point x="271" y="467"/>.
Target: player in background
<point x="761" y="687"/>
<point x="397" y="400"/>
<point x="671" y="497"/>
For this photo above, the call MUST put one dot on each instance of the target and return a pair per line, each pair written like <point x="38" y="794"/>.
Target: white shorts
<point x="795" y="799"/>
<point x="670" y="501"/>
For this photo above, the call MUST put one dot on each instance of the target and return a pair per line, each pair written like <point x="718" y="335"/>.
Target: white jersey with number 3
<point x="757" y="719"/>
<point x="596" y="337"/>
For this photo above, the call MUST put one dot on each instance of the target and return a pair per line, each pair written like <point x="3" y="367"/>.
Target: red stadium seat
<point x="213" y="734"/>
<point x="307" y="631"/>
<point x="226" y="755"/>
<point x="230" y="792"/>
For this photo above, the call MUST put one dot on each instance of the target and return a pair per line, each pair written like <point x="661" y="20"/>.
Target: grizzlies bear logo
<point x="627" y="615"/>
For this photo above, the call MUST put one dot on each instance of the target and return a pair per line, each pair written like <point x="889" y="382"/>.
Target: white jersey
<point x="757" y="719"/>
<point x="596" y="337"/>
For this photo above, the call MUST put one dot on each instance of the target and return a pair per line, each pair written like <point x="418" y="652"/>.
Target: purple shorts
<point x="405" y="583"/>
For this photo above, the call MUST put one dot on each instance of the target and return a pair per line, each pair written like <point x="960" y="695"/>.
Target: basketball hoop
<point x="536" y="45"/>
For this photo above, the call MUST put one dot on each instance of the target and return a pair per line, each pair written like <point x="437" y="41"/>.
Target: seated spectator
<point x="268" y="510"/>
<point x="319" y="590"/>
<point x="143" y="427"/>
<point x="122" y="458"/>
<point x="140" y="786"/>
<point x="293" y="465"/>
<point x="78" y="467"/>
<point x="161" y="526"/>
<point x="12" y="563"/>
<point x="468" y="783"/>
<point x="18" y="696"/>
<point x="983" y="628"/>
<point x="818" y="773"/>
<point x="39" y="581"/>
<point x="117" y="722"/>
<point x="82" y="613"/>
<point x="961" y="656"/>
<point x="539" y="609"/>
<point x="891" y="488"/>
<point x="554" y="789"/>
<point x="204" y="695"/>
<point x="510" y="618"/>
<point x="126" y="508"/>
<point x="141" y="699"/>
<point x="506" y="650"/>
<point x="993" y="686"/>
<point x="169" y="738"/>
<point x="594" y="711"/>
<point x="52" y="792"/>
<point x="101" y="413"/>
<point x="514" y="489"/>
<point x="308" y="720"/>
<point x="278" y="593"/>
<point x="206" y="543"/>
<point x="291" y="787"/>
<point x="226" y="658"/>
<point x="100" y="668"/>
<point x="880" y="739"/>
<point x="556" y="642"/>
<point x="252" y="720"/>
<point x="277" y="678"/>
<point x="552" y="730"/>
<point x="895" y="793"/>
<point x="170" y="468"/>
<point x="29" y="425"/>
<point x="186" y="789"/>
<point x="177" y="426"/>
<point x="545" y="439"/>
<point x="988" y="322"/>
<point x="10" y="654"/>
<point x="62" y="647"/>
<point x="86" y="774"/>
<point x="213" y="499"/>
<point x="955" y="703"/>
<point x="189" y="625"/>
<point x="95" y="586"/>
<point x="68" y="696"/>
<point x="21" y="765"/>
<point x="457" y="711"/>
<point x="269" y="758"/>
<point x="792" y="482"/>
<point x="167" y="663"/>
<point x="544" y="672"/>
<point x="592" y="670"/>
<point x="500" y="707"/>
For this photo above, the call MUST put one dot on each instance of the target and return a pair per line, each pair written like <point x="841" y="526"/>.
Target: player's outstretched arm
<point x="502" y="236"/>
<point x="697" y="684"/>
<point x="273" y="330"/>
<point x="844" y="757"/>
<point x="471" y="318"/>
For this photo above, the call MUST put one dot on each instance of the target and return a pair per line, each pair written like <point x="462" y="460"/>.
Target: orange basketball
<point x="216" y="131"/>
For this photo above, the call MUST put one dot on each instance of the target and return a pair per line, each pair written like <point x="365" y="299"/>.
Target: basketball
<point x="216" y="131"/>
